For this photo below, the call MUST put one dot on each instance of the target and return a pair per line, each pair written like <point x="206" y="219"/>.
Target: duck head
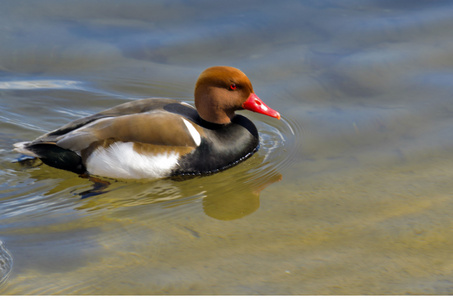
<point x="221" y="90"/>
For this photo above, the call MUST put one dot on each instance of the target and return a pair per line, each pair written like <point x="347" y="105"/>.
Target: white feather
<point x="193" y="132"/>
<point x="120" y="160"/>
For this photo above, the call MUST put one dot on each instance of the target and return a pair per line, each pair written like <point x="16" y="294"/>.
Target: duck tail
<point x="22" y="147"/>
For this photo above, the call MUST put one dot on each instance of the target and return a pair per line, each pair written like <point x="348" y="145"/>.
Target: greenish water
<point x="350" y="192"/>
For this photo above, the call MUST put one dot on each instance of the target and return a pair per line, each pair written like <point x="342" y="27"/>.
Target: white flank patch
<point x="193" y="132"/>
<point x="121" y="161"/>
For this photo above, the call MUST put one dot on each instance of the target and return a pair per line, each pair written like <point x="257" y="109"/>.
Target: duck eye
<point x="233" y="87"/>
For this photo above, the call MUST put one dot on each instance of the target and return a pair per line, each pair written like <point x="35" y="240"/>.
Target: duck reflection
<point x="232" y="204"/>
<point x="229" y="195"/>
<point x="218" y="199"/>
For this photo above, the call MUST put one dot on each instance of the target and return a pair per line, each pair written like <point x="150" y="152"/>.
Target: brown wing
<point x="128" y="108"/>
<point x="156" y="128"/>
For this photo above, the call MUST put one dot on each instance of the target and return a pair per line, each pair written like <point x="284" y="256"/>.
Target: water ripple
<point x="6" y="263"/>
<point x="39" y="84"/>
<point x="280" y="142"/>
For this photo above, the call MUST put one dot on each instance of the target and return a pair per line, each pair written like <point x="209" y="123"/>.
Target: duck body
<point x="153" y="138"/>
<point x="150" y="146"/>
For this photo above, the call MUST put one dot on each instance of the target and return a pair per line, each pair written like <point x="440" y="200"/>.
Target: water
<point x="350" y="192"/>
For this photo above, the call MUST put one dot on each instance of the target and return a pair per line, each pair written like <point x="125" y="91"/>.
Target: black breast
<point x="223" y="147"/>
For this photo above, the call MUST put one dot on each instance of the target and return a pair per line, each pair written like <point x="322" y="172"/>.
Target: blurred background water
<point x="350" y="192"/>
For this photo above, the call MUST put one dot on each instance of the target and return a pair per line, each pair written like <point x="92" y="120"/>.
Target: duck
<point x="159" y="137"/>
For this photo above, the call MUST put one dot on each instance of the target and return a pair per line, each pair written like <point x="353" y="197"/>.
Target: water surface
<point x="350" y="192"/>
